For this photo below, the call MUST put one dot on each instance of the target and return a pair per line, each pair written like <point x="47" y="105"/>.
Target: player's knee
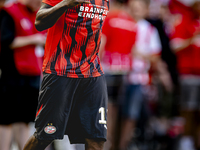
<point x="94" y="144"/>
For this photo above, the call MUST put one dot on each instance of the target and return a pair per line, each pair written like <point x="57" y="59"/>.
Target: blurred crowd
<point x="152" y="67"/>
<point x="150" y="53"/>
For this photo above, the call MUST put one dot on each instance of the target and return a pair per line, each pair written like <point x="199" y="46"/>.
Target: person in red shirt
<point x="185" y="43"/>
<point x="119" y="32"/>
<point x="73" y="95"/>
<point x="20" y="63"/>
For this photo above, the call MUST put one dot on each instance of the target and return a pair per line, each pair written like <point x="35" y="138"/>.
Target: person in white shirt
<point x="146" y="55"/>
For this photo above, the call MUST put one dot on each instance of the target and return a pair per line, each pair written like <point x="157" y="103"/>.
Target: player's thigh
<point x="94" y="102"/>
<point x="88" y="118"/>
<point x="55" y="100"/>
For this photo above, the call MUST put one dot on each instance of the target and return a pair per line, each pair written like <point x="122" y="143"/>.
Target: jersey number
<point x="103" y="120"/>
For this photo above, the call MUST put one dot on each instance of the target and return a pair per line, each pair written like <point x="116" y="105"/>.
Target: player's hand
<point x="73" y="3"/>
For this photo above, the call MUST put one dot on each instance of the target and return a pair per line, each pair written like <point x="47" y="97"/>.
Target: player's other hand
<point x="73" y="3"/>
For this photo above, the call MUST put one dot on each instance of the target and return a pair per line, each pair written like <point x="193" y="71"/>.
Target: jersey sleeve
<point x="51" y="2"/>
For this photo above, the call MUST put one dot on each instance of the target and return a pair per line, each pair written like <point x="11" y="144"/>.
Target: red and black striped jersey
<point x="72" y="44"/>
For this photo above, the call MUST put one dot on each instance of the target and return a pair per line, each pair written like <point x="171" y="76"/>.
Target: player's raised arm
<point x="47" y="16"/>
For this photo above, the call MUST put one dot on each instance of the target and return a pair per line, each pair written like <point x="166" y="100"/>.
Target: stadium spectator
<point x="2" y="3"/>
<point x="20" y="59"/>
<point x="165" y="107"/>
<point x="163" y="21"/>
<point x="185" y="43"/>
<point x="119" y="31"/>
<point x="146" y="57"/>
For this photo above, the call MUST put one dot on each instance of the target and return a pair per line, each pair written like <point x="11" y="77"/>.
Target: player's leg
<point x="55" y="100"/>
<point x="88" y="118"/>
<point x="36" y="144"/>
<point x="94" y="144"/>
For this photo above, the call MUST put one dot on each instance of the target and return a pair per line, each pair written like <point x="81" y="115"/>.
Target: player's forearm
<point x="47" y="17"/>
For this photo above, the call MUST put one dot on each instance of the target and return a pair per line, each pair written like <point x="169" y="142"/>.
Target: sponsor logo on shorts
<point x="50" y="129"/>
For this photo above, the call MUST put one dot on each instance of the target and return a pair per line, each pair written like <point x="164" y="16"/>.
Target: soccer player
<point x="73" y="94"/>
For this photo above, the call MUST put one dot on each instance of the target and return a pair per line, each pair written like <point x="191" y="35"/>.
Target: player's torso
<point x="94" y="12"/>
<point x="76" y="52"/>
<point x="82" y="29"/>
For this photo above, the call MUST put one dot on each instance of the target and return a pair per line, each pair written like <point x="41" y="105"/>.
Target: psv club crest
<point x="50" y="129"/>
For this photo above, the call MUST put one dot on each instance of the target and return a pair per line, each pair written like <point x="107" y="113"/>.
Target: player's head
<point x="34" y="5"/>
<point x="139" y="8"/>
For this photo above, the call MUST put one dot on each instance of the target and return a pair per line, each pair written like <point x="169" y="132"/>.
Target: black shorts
<point x="75" y="107"/>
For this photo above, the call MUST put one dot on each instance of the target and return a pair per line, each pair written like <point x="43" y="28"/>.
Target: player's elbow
<point x="38" y="25"/>
<point x="42" y="25"/>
